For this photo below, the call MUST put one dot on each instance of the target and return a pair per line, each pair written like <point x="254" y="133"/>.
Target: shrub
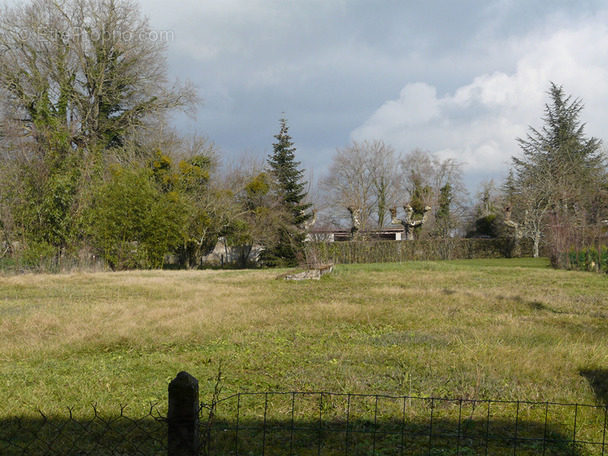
<point x="588" y="259"/>
<point x="134" y="224"/>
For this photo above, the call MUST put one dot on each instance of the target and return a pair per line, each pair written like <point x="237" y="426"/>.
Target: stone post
<point x="183" y="416"/>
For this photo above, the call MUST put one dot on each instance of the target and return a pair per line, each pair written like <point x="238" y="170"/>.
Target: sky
<point x="460" y="78"/>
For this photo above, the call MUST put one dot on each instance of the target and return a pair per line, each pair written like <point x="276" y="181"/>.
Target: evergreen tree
<point x="288" y="176"/>
<point x="421" y="196"/>
<point x="291" y="190"/>
<point x="559" y="172"/>
<point x="560" y="157"/>
<point x="485" y="219"/>
<point x="443" y="216"/>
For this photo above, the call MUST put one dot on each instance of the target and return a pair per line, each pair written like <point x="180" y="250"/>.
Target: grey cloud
<point x="330" y="65"/>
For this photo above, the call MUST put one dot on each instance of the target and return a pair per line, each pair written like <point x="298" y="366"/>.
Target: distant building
<point x="340" y="235"/>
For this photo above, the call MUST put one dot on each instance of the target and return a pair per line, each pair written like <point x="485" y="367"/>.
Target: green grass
<point x="480" y="329"/>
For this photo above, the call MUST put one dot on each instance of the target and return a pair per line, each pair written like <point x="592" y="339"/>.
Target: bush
<point x="134" y="224"/>
<point x="588" y="259"/>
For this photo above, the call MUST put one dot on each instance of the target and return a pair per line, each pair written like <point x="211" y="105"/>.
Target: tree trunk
<point x="536" y="248"/>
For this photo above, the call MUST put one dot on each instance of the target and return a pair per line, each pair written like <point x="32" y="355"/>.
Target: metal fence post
<point x="183" y="416"/>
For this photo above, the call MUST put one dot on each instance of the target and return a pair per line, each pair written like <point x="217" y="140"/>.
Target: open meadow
<point x="480" y="329"/>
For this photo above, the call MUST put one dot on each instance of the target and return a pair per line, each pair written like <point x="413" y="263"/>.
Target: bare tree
<point x="92" y="69"/>
<point x="349" y="182"/>
<point x="527" y="205"/>
<point x="427" y="180"/>
<point x="365" y="177"/>
<point x="384" y="174"/>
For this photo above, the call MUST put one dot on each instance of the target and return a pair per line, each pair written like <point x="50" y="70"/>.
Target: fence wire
<point x="349" y="424"/>
<point x="97" y="434"/>
<point x="321" y="423"/>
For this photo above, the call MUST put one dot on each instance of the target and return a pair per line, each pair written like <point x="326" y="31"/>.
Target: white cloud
<point x="479" y="122"/>
<point x="417" y="104"/>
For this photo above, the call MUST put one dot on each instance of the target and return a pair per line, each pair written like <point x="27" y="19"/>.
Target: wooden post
<point x="183" y="416"/>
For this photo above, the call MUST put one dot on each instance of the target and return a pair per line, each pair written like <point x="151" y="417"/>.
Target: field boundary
<point x="322" y="423"/>
<point x="378" y="251"/>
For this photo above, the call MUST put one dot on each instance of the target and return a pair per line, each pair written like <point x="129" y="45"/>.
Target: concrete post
<point x="183" y="416"/>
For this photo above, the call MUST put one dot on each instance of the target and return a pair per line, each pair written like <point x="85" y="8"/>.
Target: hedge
<point x="594" y="259"/>
<point x="425" y="250"/>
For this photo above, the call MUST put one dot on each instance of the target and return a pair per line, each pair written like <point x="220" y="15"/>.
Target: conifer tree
<point x="560" y="157"/>
<point x="291" y="190"/>
<point x="559" y="171"/>
<point x="288" y="175"/>
<point x="443" y="216"/>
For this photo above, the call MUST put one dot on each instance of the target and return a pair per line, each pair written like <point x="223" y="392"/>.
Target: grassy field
<point x="490" y="329"/>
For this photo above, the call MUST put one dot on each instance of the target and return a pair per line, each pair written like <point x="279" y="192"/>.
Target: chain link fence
<point x="327" y="424"/>
<point x="313" y="423"/>
<point x="97" y="434"/>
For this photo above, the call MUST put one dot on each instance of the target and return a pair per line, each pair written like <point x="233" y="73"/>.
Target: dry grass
<point x="495" y="329"/>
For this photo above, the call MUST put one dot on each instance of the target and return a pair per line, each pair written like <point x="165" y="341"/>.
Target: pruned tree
<point x="430" y="181"/>
<point x="355" y="217"/>
<point x="408" y="222"/>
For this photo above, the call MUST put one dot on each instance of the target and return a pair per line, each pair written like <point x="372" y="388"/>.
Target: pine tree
<point x="288" y="176"/>
<point x="291" y="190"/>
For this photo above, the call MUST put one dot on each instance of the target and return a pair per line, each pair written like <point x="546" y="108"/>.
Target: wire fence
<point x="349" y="424"/>
<point x="299" y="423"/>
<point x="23" y="263"/>
<point x="98" y="434"/>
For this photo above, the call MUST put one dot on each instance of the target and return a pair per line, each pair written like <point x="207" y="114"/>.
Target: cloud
<point x="406" y="72"/>
<point x="479" y="122"/>
<point x="396" y="114"/>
